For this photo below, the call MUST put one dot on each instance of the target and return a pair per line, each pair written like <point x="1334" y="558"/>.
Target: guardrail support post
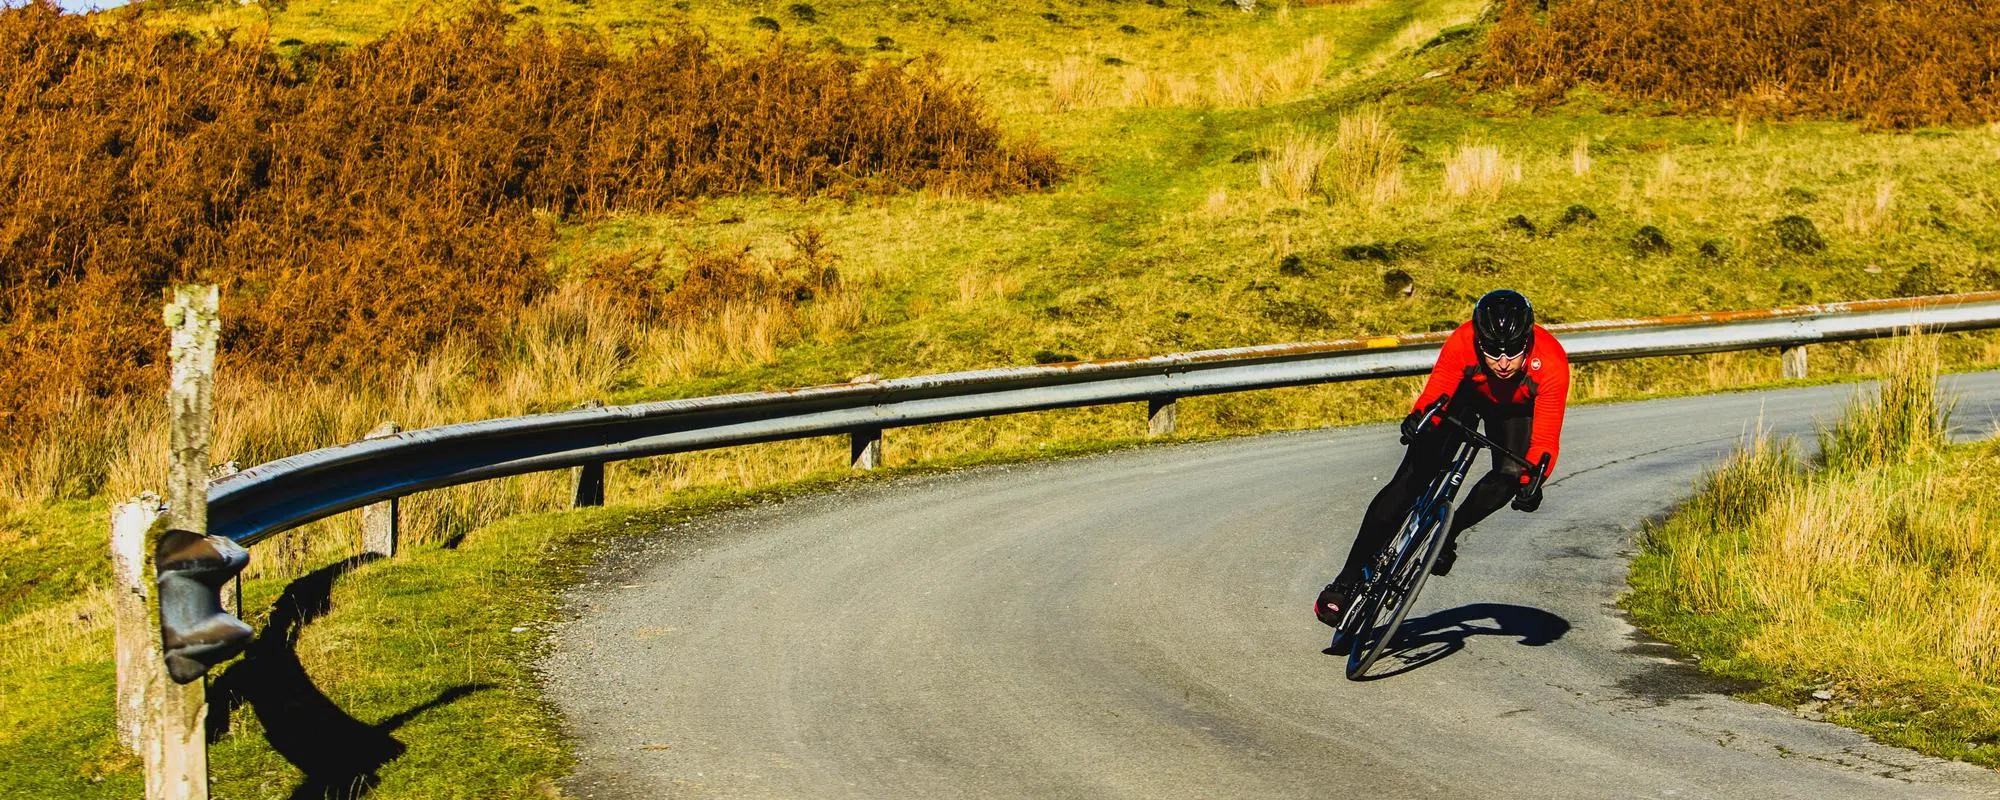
<point x="135" y="640"/>
<point x="1160" y="416"/>
<point x="1794" y="359"/>
<point x="379" y="522"/>
<point x="865" y="448"/>
<point x="587" y="481"/>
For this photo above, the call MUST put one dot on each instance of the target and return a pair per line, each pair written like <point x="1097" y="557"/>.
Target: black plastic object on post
<point x="195" y="633"/>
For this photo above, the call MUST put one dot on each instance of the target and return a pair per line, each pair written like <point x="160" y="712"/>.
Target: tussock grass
<point x="1872" y="574"/>
<point x="1478" y="172"/>
<point x="1294" y="168"/>
<point x="1367" y="160"/>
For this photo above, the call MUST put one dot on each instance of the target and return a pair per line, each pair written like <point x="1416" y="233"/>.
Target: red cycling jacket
<point x="1542" y="386"/>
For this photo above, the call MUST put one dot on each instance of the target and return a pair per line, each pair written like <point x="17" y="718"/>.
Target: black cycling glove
<point x="1529" y="498"/>
<point x="1412" y="425"/>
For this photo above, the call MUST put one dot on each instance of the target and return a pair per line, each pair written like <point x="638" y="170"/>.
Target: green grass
<point x="1859" y="589"/>
<point x="1164" y="241"/>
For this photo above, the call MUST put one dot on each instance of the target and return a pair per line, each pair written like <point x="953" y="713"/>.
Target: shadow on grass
<point x="1425" y="640"/>
<point x="339" y="754"/>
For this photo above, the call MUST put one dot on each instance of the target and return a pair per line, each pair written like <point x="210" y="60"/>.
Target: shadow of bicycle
<point x="1428" y="639"/>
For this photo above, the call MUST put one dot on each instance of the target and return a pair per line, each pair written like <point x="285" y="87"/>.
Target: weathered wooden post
<point x="864" y="448"/>
<point x="173" y="731"/>
<point x="136" y="643"/>
<point x="1794" y="359"/>
<point x="379" y="522"/>
<point x="1160" y="416"/>
<point x="587" y="481"/>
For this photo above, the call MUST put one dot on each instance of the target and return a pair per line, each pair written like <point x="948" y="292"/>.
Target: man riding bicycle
<point x="1501" y="369"/>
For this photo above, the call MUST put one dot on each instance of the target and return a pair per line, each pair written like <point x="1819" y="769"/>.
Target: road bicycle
<point x="1389" y="584"/>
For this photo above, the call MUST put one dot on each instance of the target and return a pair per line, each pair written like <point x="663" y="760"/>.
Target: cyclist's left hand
<point x="1529" y="498"/>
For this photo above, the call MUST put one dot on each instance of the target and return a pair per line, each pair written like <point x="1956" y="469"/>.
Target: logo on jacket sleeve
<point x="1534" y="363"/>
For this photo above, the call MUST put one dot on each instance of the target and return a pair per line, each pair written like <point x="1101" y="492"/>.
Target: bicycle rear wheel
<point x="1397" y="592"/>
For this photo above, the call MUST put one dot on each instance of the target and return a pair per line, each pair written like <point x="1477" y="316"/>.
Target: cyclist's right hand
<point x="1422" y="419"/>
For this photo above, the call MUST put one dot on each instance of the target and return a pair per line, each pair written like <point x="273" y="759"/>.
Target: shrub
<point x="362" y="205"/>
<point x="1797" y="234"/>
<point x="765" y="23"/>
<point x="1479" y="171"/>
<point x="803" y="13"/>
<point x="1650" y="241"/>
<point x="1895" y="64"/>
<point x="1367" y="159"/>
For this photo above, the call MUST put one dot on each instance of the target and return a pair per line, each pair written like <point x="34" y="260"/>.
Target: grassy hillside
<point x="1194" y="214"/>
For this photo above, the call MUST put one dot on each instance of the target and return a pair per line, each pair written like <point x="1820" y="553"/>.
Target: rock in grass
<point x="1129" y="30"/>
<point x="765" y="23"/>
<point x="1251" y="156"/>
<point x="1480" y="265"/>
<point x="1650" y="241"/>
<point x="1292" y="265"/>
<point x="885" y="44"/>
<point x="1798" y="234"/>
<point x="1397" y="283"/>
<point x="1367" y="252"/>
<point x="1714" y="249"/>
<point x="1520" y="222"/>
<point x="803" y="13"/>
<point x="1922" y="279"/>
<point x="1794" y="194"/>
<point x="1052" y="16"/>
<point x="1576" y="214"/>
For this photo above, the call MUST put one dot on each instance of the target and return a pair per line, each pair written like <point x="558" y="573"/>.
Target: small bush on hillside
<point x="1798" y="234"/>
<point x="803" y="13"/>
<point x="1650" y="241"/>
<point x="765" y="23"/>
<point x="1577" y="214"/>
<point x="1893" y="63"/>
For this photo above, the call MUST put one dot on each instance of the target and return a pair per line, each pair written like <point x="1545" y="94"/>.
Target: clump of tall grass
<point x="1294" y="165"/>
<point x="1904" y="420"/>
<point x="1478" y="171"/>
<point x="1873" y="573"/>
<point x="1892" y="63"/>
<point x="1247" y="82"/>
<point x="1367" y="161"/>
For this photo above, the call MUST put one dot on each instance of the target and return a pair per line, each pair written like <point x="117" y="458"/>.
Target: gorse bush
<point x="360" y="206"/>
<point x="1892" y="63"/>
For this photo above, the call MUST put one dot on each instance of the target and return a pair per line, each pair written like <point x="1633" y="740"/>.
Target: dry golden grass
<point x="1871" y="212"/>
<point x="1367" y="160"/>
<point x="1891" y="521"/>
<point x="1146" y="88"/>
<point x="1076" y="83"/>
<point x="1247" y="82"/>
<point x="1579" y="157"/>
<point x="1478" y="172"/>
<point x="1293" y="168"/>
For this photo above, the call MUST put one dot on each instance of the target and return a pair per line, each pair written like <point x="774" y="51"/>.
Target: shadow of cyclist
<point x="1425" y="640"/>
<point x="340" y="755"/>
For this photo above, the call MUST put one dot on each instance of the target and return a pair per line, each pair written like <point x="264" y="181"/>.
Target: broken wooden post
<point x="1794" y="359"/>
<point x="1160" y="416"/>
<point x="865" y="448"/>
<point x="379" y="523"/>
<point x="587" y="480"/>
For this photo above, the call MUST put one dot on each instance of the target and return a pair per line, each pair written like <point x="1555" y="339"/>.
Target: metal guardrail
<point x="278" y="495"/>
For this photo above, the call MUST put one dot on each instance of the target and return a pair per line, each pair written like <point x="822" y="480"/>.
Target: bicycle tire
<point x="1398" y="599"/>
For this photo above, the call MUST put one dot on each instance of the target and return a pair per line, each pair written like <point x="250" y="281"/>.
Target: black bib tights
<point x="1428" y="456"/>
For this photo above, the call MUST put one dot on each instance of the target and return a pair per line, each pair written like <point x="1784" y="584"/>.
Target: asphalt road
<point x="1137" y="625"/>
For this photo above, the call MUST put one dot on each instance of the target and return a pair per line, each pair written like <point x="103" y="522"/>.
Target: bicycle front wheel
<point x="1398" y="594"/>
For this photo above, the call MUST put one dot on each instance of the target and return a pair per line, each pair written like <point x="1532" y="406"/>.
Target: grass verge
<point x="1861" y="587"/>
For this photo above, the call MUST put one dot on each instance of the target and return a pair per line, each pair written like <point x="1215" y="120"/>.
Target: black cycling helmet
<point x="1502" y="323"/>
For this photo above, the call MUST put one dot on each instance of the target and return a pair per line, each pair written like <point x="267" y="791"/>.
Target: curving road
<point x="1137" y="625"/>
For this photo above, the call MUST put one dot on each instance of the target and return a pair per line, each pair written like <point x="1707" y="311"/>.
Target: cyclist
<point x="1502" y="369"/>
